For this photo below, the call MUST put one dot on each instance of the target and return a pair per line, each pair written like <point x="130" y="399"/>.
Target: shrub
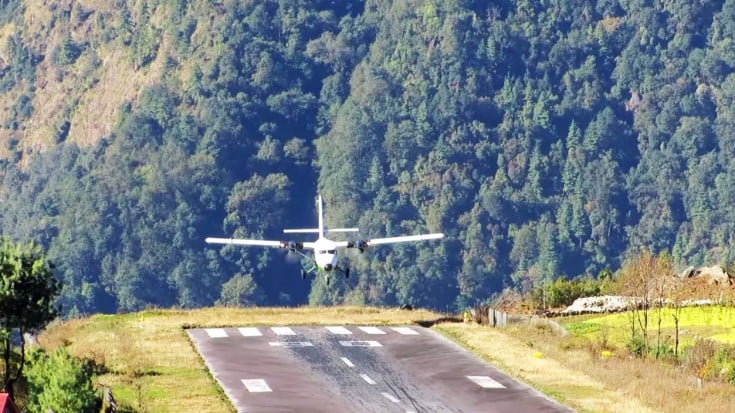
<point x="698" y="358"/>
<point x="67" y="52"/>
<point x="637" y="346"/>
<point x="59" y="382"/>
<point x="563" y="292"/>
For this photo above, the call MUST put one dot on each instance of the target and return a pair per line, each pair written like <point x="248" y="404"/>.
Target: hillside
<point x="543" y="139"/>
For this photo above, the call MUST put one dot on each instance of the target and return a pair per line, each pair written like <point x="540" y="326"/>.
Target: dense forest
<point x="544" y="138"/>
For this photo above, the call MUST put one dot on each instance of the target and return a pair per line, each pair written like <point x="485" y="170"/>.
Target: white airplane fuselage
<point x="325" y="254"/>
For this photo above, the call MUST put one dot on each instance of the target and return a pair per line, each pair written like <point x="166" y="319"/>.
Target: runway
<point x="357" y="369"/>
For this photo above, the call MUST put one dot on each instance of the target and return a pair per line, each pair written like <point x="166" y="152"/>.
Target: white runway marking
<point x="360" y="344"/>
<point x="250" y="331"/>
<point x="347" y="362"/>
<point x="367" y="379"/>
<point x="390" y="397"/>
<point x="486" y="382"/>
<point x="291" y="344"/>
<point x="372" y="330"/>
<point x="283" y="331"/>
<point x="339" y="330"/>
<point x="256" y="385"/>
<point x="405" y="331"/>
<point x="216" y="332"/>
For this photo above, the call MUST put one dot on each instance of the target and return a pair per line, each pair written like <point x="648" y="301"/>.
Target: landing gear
<point x="347" y="272"/>
<point x="328" y="281"/>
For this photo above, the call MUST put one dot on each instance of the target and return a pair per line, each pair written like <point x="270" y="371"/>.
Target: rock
<point x="714" y="275"/>
<point x="687" y="273"/>
<point x="602" y="304"/>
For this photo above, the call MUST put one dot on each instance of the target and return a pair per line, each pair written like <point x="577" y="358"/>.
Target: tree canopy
<point x="28" y="290"/>
<point x="546" y="139"/>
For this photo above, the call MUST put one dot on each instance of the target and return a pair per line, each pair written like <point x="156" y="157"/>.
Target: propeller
<point x="360" y="244"/>
<point x="293" y="250"/>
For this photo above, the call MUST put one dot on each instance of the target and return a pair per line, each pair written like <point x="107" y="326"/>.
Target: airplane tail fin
<point x="322" y="230"/>
<point x="321" y="218"/>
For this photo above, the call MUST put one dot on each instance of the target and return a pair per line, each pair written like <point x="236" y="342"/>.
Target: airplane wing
<point x="240" y="241"/>
<point x="362" y="244"/>
<point x="262" y="243"/>
<point x="408" y="238"/>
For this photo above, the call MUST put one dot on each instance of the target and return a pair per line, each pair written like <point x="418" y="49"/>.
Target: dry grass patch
<point x="656" y="384"/>
<point x="558" y="378"/>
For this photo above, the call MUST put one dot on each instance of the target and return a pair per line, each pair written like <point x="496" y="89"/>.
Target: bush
<point x="698" y="358"/>
<point x="563" y="292"/>
<point x="637" y="346"/>
<point x="67" y="52"/>
<point x="663" y="351"/>
<point x="59" y="382"/>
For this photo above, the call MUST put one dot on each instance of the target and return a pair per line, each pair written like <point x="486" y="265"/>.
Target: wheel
<point x="303" y="274"/>
<point x="347" y="273"/>
<point x="327" y="281"/>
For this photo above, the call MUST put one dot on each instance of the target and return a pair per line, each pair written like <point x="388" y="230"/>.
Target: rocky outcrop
<point x="714" y="275"/>
<point x="601" y="304"/>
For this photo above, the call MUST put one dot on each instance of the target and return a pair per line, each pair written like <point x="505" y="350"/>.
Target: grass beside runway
<point x="559" y="380"/>
<point x="151" y="366"/>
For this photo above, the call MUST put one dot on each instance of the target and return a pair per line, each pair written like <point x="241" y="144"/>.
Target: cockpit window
<point x="327" y="251"/>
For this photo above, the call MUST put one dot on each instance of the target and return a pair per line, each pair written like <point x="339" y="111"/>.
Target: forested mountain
<point x="545" y="138"/>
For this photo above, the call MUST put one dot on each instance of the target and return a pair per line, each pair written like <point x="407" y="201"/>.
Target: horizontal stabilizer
<point x="302" y="231"/>
<point x="316" y="230"/>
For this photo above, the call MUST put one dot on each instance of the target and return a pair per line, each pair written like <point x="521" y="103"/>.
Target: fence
<point x="489" y="316"/>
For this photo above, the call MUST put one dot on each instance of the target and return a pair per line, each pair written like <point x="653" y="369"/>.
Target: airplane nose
<point x="328" y="267"/>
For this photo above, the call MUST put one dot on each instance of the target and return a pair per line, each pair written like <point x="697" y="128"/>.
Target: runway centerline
<point x="380" y="369"/>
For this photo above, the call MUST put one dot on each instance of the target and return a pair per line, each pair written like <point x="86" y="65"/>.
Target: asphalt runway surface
<point x="357" y="369"/>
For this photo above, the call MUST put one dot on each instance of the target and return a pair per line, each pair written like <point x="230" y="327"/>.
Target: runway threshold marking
<point x="367" y="343"/>
<point x="368" y="379"/>
<point x="486" y="382"/>
<point x="347" y="362"/>
<point x="372" y="330"/>
<point x="283" y="331"/>
<point x="250" y="331"/>
<point x="390" y="397"/>
<point x="339" y="330"/>
<point x="256" y="385"/>
<point x="406" y="331"/>
<point x="216" y="332"/>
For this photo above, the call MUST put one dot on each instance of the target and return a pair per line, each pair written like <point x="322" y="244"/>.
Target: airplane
<point x="324" y="249"/>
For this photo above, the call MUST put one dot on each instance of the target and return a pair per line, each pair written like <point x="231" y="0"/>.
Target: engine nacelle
<point x="360" y="244"/>
<point x="293" y="246"/>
